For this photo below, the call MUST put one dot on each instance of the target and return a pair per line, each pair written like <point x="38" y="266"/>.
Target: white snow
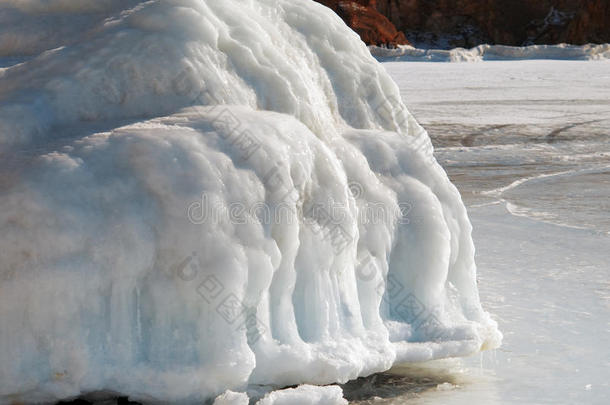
<point x="305" y="395"/>
<point x="232" y="398"/>
<point x="201" y="196"/>
<point x="493" y="52"/>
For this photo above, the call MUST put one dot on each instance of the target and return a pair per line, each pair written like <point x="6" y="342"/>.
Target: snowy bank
<point x="305" y="395"/>
<point x="301" y="395"/>
<point x="493" y="52"/>
<point x="204" y="196"/>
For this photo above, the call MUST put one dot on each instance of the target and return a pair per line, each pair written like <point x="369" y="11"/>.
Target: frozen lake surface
<point x="528" y="145"/>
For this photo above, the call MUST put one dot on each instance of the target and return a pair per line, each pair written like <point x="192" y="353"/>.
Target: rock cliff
<point x="467" y="23"/>
<point x="362" y="16"/>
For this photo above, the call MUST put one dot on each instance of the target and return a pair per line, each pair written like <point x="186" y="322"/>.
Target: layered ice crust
<point x="201" y="196"/>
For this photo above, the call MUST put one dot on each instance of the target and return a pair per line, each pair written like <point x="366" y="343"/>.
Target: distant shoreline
<point x="493" y="52"/>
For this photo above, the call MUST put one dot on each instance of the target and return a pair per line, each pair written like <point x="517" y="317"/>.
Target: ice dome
<point x="201" y="196"/>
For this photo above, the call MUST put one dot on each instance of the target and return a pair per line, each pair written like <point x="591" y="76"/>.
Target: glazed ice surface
<point x="202" y="196"/>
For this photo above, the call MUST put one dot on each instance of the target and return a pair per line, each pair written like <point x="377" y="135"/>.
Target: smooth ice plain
<point x="528" y="145"/>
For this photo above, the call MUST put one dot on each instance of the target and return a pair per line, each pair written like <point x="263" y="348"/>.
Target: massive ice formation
<point x="198" y="196"/>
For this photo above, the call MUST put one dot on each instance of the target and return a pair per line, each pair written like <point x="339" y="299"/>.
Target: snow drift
<point x="204" y="196"/>
<point x="494" y="52"/>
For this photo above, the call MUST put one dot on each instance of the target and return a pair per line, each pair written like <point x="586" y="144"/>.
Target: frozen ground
<point x="528" y="145"/>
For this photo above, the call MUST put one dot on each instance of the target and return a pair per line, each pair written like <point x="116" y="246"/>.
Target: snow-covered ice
<point x="232" y="398"/>
<point x="205" y="196"/>
<point x="302" y="395"/>
<point x="305" y="395"/>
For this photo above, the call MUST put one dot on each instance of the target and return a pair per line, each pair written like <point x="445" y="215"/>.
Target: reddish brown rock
<point x="591" y="23"/>
<point x="514" y="22"/>
<point x="468" y="23"/>
<point x="363" y="17"/>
